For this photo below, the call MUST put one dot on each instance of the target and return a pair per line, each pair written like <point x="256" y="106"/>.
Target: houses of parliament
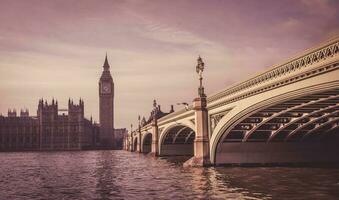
<point x="63" y="129"/>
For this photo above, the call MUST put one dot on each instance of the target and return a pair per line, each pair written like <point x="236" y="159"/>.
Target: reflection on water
<point x="125" y="175"/>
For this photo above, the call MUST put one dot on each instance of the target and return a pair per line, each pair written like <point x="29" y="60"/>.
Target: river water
<point x="126" y="175"/>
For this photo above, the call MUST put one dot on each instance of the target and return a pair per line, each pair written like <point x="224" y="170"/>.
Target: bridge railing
<point x="305" y="59"/>
<point x="302" y="60"/>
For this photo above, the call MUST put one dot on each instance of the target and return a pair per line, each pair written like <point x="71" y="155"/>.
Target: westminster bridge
<point x="287" y="114"/>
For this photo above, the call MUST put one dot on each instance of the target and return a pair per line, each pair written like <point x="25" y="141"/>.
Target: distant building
<point x="64" y="129"/>
<point x="119" y="135"/>
<point x="49" y="130"/>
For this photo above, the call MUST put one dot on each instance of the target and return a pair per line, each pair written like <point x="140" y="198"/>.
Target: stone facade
<point x="119" y="135"/>
<point x="49" y="130"/>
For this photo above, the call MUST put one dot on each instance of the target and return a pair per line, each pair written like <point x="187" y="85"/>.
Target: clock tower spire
<point x="106" y="64"/>
<point x="106" y="107"/>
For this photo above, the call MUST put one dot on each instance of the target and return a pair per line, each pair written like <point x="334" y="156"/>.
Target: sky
<point x="56" y="49"/>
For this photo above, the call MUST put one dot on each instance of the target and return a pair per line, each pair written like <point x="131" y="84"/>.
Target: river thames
<point x="126" y="175"/>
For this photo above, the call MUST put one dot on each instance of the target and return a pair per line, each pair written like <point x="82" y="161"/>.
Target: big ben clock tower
<point x="106" y="107"/>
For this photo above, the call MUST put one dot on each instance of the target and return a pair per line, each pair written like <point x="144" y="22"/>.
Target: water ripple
<point x="125" y="175"/>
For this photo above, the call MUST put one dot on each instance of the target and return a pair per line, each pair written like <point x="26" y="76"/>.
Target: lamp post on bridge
<point x="199" y="69"/>
<point x="201" y="142"/>
<point x="131" y="142"/>
<point x="139" y="135"/>
<point x="155" y="131"/>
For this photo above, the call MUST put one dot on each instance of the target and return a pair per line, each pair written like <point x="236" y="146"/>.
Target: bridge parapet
<point x="297" y="64"/>
<point x="295" y="69"/>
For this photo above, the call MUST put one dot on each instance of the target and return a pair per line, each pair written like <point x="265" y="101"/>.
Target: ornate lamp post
<point x="199" y="69"/>
<point x="155" y="109"/>
<point x="139" y="135"/>
<point x="139" y="118"/>
<point x="155" y="131"/>
<point x="201" y="141"/>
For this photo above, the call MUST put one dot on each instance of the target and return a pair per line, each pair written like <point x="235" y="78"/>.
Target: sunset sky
<point x="57" y="48"/>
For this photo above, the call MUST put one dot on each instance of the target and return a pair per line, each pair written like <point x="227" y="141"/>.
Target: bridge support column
<point x="131" y="143"/>
<point x="127" y="143"/>
<point x="155" y="141"/>
<point x="139" y="142"/>
<point x="201" y="143"/>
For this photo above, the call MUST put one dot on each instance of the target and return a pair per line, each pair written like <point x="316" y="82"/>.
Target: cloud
<point x="322" y="8"/>
<point x="52" y="49"/>
<point x="167" y="34"/>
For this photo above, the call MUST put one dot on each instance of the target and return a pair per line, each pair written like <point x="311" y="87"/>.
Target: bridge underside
<point x="178" y="142"/>
<point x="304" y="129"/>
<point x="146" y="144"/>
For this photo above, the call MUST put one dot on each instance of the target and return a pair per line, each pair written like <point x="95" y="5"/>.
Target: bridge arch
<point x="146" y="142"/>
<point x="177" y="139"/>
<point x="248" y="124"/>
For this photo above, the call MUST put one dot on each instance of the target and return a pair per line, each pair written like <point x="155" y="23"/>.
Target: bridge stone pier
<point x="286" y="114"/>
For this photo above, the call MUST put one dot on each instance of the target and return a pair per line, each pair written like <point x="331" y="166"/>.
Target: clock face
<point x="106" y="88"/>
